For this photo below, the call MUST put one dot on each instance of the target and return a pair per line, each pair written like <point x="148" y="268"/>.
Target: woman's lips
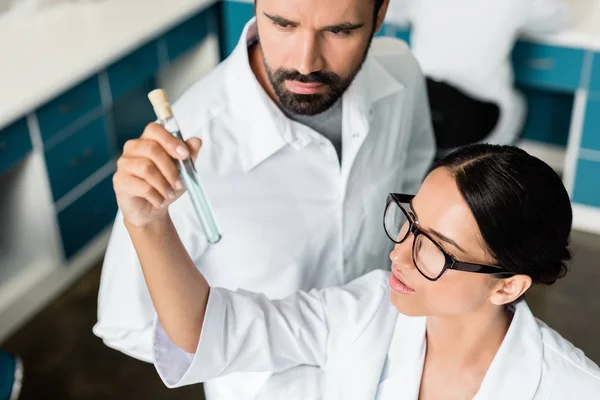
<point x="397" y="285"/>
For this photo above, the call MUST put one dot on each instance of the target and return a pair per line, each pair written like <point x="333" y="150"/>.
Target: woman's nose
<point x="402" y="253"/>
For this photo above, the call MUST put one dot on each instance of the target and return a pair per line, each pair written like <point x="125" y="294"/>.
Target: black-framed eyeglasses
<point x="429" y="257"/>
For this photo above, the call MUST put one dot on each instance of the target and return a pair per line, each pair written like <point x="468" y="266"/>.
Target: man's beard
<point x="310" y="104"/>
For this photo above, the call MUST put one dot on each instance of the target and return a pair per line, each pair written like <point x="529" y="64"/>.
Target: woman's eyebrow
<point x="439" y="235"/>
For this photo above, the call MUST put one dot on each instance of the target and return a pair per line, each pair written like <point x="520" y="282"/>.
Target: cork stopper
<point x="160" y="102"/>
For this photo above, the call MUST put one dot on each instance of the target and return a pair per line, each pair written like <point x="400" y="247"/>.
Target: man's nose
<point x="308" y="56"/>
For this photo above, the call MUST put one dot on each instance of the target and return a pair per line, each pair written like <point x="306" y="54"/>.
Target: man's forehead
<point x="318" y="12"/>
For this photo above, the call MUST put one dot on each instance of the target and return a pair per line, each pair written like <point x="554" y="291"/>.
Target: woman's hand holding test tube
<point x="147" y="180"/>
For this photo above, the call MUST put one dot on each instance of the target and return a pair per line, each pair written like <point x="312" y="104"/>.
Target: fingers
<point x="132" y="186"/>
<point x="144" y="151"/>
<point x="146" y="169"/>
<point x="173" y="146"/>
<point x="194" y="145"/>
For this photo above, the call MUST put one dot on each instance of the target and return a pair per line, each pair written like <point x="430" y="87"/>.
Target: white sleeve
<point x="125" y="310"/>
<point x="399" y="12"/>
<point x="547" y="16"/>
<point x="246" y="332"/>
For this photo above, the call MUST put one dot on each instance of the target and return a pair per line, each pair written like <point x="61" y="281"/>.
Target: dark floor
<point x="64" y="360"/>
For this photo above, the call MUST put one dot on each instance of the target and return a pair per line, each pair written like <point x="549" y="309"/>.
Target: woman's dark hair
<point x="521" y="206"/>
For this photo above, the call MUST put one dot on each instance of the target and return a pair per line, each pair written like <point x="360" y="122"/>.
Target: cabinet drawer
<point x="87" y="216"/>
<point x="77" y="157"/>
<point x="548" y="116"/>
<point x="15" y="143"/>
<point x="185" y="36"/>
<point x="587" y="188"/>
<point x="131" y="113"/>
<point x="591" y="127"/>
<point x="595" y="82"/>
<point x="548" y="66"/>
<point x="130" y="71"/>
<point x="60" y="112"/>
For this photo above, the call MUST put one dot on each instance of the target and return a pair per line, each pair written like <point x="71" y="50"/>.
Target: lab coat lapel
<point x="408" y="351"/>
<point x="516" y="371"/>
<point x="263" y="129"/>
<point x="358" y="369"/>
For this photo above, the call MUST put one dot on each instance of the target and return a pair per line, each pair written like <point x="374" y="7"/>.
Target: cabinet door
<point x="72" y="160"/>
<point x="59" y="113"/>
<point x="595" y="82"/>
<point x="550" y="67"/>
<point x="131" y="113"/>
<point x="133" y="69"/>
<point x="548" y="116"/>
<point x="591" y="126"/>
<point x="15" y="143"/>
<point x="87" y="216"/>
<point x="587" y="187"/>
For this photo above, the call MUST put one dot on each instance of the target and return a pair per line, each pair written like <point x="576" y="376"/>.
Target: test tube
<point x="187" y="171"/>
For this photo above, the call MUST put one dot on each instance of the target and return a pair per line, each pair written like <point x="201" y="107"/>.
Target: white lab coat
<point x="292" y="218"/>
<point x="348" y="332"/>
<point x="468" y="44"/>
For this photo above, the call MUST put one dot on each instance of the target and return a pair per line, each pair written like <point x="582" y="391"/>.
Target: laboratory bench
<point x="74" y="85"/>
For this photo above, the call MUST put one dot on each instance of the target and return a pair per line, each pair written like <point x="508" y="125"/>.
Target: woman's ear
<point x="510" y="289"/>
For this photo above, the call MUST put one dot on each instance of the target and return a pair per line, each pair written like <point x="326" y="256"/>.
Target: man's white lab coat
<point x="292" y="218"/>
<point x="349" y="333"/>
<point x="468" y="44"/>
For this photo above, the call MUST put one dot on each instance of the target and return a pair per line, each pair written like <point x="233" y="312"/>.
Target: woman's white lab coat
<point x="348" y="333"/>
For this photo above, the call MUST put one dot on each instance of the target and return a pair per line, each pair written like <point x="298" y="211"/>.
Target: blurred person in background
<point x="464" y="49"/>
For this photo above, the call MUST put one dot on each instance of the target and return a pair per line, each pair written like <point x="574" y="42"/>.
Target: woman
<point x="448" y="322"/>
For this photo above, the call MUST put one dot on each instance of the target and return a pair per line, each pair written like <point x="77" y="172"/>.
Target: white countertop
<point x="45" y="52"/>
<point x="585" y="30"/>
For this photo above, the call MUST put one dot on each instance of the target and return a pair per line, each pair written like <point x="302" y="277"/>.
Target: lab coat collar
<point x="515" y="372"/>
<point x="264" y="128"/>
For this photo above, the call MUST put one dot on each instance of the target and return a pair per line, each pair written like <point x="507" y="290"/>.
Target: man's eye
<point x="339" y="32"/>
<point x="282" y="24"/>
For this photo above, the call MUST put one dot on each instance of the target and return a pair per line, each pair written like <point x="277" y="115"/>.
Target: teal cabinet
<point x="15" y="143"/>
<point x="587" y="183"/>
<point x="131" y="113"/>
<point x="548" y="116"/>
<point x="590" y="138"/>
<point x="87" y="216"/>
<point x="550" y="67"/>
<point x="70" y="106"/>
<point x="595" y="80"/>
<point x="188" y="34"/>
<point x="234" y="16"/>
<point x="72" y="160"/>
<point x="129" y="72"/>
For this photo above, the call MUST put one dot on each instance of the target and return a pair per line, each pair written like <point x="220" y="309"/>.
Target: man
<point x="302" y="127"/>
